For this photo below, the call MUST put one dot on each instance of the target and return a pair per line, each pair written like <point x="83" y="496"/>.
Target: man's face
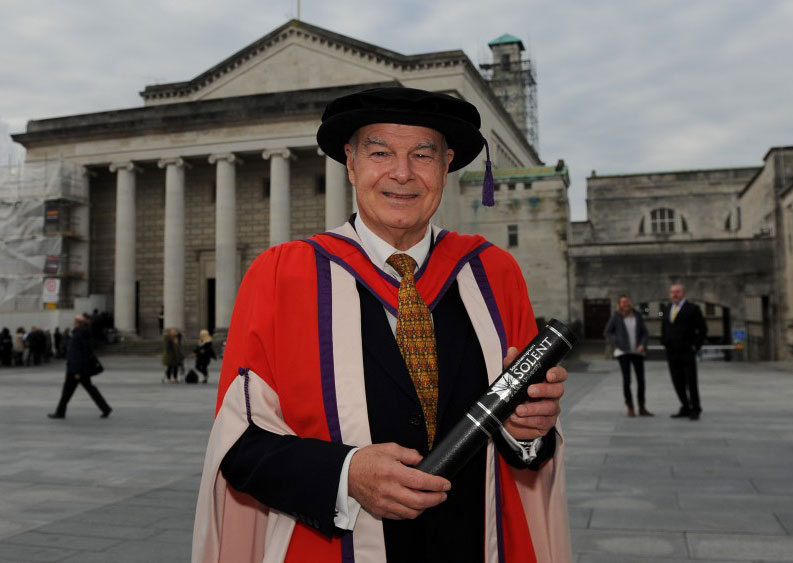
<point x="625" y="305"/>
<point x="398" y="172"/>
<point x="676" y="293"/>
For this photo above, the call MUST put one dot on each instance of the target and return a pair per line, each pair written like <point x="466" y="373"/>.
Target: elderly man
<point x="683" y="331"/>
<point x="351" y="353"/>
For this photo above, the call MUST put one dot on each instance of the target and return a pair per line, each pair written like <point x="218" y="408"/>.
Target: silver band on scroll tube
<point x="559" y="334"/>
<point x="478" y="425"/>
<point x="489" y="413"/>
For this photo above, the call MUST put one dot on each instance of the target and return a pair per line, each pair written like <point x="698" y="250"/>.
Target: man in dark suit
<point x="79" y="360"/>
<point x="683" y="332"/>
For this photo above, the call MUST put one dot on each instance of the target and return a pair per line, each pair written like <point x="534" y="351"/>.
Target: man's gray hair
<point x="354" y="143"/>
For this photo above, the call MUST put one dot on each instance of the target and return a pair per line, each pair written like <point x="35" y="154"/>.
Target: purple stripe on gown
<point x="327" y="372"/>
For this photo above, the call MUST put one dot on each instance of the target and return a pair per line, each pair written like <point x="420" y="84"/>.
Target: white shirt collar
<point x="379" y="250"/>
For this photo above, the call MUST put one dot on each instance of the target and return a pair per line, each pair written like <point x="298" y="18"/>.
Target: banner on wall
<point x="51" y="291"/>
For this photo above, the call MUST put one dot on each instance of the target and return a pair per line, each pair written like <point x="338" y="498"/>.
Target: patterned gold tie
<point x="416" y="339"/>
<point x="675" y="309"/>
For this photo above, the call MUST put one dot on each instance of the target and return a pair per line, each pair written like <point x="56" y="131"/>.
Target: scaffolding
<point x="44" y="235"/>
<point x="514" y="81"/>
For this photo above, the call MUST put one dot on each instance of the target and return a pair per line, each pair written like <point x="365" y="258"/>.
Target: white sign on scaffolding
<point x="52" y="287"/>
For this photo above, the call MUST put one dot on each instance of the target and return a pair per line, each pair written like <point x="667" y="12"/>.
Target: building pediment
<point x="298" y="56"/>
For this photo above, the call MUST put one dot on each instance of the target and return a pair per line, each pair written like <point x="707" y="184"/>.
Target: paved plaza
<point x="123" y="489"/>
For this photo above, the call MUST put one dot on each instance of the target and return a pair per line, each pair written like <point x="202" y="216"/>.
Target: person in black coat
<point x="683" y="331"/>
<point x="627" y="332"/>
<point x="204" y="353"/>
<point x="6" y="347"/>
<point x="79" y="363"/>
<point x="57" y="337"/>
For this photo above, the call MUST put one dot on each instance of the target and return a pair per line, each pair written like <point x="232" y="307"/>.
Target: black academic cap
<point x="456" y="119"/>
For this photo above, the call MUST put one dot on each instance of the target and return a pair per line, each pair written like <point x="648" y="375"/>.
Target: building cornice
<point x="182" y="116"/>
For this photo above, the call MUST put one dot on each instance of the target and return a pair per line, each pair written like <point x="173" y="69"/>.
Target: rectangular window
<point x="319" y="184"/>
<point x="265" y="188"/>
<point x="213" y="192"/>
<point x="512" y="236"/>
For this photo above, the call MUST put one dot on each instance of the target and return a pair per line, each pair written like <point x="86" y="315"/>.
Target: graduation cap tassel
<point x="488" y="188"/>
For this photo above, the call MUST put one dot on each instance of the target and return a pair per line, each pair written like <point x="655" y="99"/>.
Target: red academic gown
<point x="294" y="366"/>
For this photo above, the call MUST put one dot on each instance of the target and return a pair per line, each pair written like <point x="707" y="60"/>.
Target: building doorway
<point x="596" y="315"/>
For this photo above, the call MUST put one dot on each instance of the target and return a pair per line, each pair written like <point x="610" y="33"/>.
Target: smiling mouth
<point x="396" y="195"/>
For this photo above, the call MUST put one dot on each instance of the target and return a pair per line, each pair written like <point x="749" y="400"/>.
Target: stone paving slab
<point x="641" y="490"/>
<point x="741" y="547"/>
<point x="688" y="521"/>
<point x="680" y="490"/>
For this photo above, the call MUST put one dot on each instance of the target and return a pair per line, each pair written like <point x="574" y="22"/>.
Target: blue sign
<point x="739" y="334"/>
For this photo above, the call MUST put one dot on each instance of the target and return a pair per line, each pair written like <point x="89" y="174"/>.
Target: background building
<point x="161" y="208"/>
<point x="182" y="194"/>
<point x="724" y="234"/>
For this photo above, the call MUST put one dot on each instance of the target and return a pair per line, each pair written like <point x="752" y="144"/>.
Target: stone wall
<point x="616" y="250"/>
<point x="620" y="207"/>
<point x="538" y="211"/>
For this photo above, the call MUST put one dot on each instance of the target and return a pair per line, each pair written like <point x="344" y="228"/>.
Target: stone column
<point x="336" y="212"/>
<point x="124" y="290"/>
<point x="173" y="255"/>
<point x="280" y="214"/>
<point x="225" y="238"/>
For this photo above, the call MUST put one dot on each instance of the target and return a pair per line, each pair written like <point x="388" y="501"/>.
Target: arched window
<point x="662" y="220"/>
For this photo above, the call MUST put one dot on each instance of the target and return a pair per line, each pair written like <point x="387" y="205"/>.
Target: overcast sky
<point x="623" y="86"/>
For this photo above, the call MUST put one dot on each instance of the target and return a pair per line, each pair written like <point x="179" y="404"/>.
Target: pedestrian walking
<point x="627" y="332"/>
<point x="81" y="366"/>
<point x="204" y="353"/>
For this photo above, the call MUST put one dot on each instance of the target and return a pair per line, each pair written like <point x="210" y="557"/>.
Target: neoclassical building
<point x="726" y="234"/>
<point x="181" y="194"/>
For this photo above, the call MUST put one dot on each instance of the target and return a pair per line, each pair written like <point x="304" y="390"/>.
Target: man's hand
<point x="380" y="479"/>
<point x="535" y="419"/>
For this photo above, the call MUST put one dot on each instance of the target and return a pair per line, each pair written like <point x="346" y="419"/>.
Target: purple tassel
<point x="488" y="187"/>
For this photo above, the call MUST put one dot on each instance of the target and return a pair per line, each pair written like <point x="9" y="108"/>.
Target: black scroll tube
<point x="488" y="414"/>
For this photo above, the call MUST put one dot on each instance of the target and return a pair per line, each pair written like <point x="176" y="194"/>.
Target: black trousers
<point x="625" y="362"/>
<point x="71" y="384"/>
<point x="683" y="369"/>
